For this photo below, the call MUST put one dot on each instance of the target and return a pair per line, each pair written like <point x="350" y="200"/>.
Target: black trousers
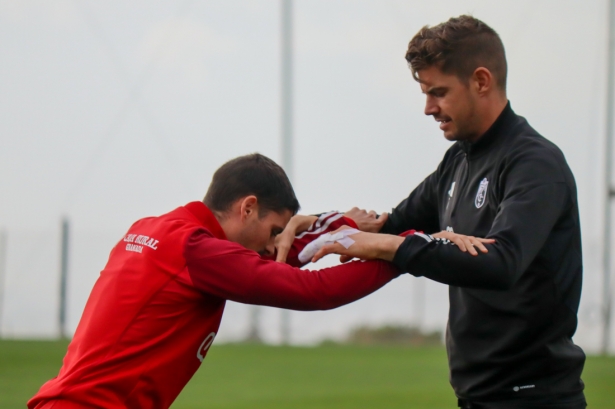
<point x="576" y="401"/>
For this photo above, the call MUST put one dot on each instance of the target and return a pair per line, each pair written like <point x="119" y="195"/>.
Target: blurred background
<point x="112" y="111"/>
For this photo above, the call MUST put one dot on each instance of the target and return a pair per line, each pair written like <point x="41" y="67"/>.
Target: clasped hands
<point x="368" y="243"/>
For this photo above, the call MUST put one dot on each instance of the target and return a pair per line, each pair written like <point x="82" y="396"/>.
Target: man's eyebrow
<point x="435" y="90"/>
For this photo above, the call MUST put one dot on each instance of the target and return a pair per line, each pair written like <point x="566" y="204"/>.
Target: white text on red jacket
<point x="135" y="242"/>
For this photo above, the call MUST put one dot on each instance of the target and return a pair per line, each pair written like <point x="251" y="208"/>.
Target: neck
<point x="225" y="222"/>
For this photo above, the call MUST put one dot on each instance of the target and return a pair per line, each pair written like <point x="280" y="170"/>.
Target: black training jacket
<point x="513" y="310"/>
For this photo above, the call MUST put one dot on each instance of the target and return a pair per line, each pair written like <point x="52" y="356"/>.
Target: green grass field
<point x="256" y="376"/>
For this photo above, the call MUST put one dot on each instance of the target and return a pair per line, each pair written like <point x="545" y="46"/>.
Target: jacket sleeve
<point x="418" y="211"/>
<point x="326" y="223"/>
<point x="227" y="270"/>
<point x="535" y="196"/>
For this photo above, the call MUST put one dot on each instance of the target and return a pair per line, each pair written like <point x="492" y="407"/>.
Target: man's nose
<point x="431" y="108"/>
<point x="270" y="248"/>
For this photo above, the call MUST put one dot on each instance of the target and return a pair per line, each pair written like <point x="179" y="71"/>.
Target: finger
<point x="444" y="235"/>
<point x="468" y="242"/>
<point x="352" y="212"/>
<point x="345" y="259"/>
<point x="479" y="245"/>
<point x="459" y="243"/>
<point x="282" y="254"/>
<point x="488" y="241"/>
<point x="324" y="250"/>
<point x="372" y="213"/>
<point x="383" y="219"/>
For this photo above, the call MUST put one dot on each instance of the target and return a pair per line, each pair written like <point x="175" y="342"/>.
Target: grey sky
<point x="111" y="111"/>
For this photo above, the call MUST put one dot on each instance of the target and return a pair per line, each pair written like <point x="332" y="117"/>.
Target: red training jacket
<point x="157" y="305"/>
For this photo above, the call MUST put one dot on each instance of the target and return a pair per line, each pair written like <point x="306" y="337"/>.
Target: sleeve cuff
<point x="403" y="255"/>
<point x="350" y="222"/>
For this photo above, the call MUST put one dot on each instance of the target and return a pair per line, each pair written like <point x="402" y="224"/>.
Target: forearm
<point x="435" y="258"/>
<point x="325" y="289"/>
<point x="387" y="246"/>
<point x="300" y="223"/>
<point x="445" y="263"/>
<point x="269" y="283"/>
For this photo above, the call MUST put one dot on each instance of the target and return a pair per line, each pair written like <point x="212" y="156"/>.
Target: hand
<point x="367" y="221"/>
<point x="465" y="243"/>
<point x="284" y="241"/>
<point x="366" y="246"/>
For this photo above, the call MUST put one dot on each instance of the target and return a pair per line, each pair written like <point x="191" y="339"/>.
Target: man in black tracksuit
<point x="513" y="310"/>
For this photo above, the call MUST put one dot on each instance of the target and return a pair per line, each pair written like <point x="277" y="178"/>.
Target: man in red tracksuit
<point x="157" y="305"/>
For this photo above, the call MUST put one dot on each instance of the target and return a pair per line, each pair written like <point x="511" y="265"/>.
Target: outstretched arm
<point x="444" y="248"/>
<point x="537" y="198"/>
<point x="368" y="246"/>
<point x="229" y="271"/>
<point x="533" y="202"/>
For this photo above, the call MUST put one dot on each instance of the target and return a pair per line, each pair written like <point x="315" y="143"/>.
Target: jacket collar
<point x="206" y="218"/>
<point x="494" y="133"/>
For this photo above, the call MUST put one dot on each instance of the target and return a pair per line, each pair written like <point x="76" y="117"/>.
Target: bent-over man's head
<point x="253" y="200"/>
<point x="461" y="66"/>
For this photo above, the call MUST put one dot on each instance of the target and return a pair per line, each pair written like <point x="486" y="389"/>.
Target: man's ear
<point x="249" y="207"/>
<point x="482" y="80"/>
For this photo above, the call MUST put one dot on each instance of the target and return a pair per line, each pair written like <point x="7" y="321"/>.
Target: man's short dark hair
<point x="458" y="46"/>
<point x="247" y="175"/>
